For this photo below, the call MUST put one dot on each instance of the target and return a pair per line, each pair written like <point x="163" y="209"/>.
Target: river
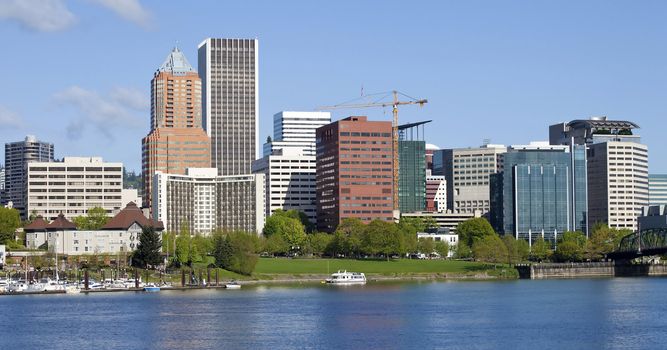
<point x="619" y="313"/>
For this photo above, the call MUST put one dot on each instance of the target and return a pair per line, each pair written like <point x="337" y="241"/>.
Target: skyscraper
<point x="536" y="193"/>
<point x="354" y="172"/>
<point x="617" y="163"/>
<point x="412" y="167"/>
<point x="467" y="173"/>
<point x="289" y="162"/>
<point x="176" y="140"/>
<point x="17" y="156"/>
<point x="228" y="69"/>
<point x="657" y="189"/>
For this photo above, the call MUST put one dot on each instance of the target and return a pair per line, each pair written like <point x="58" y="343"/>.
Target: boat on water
<point x="346" y="278"/>
<point x="72" y="289"/>
<point x="233" y="285"/>
<point x="150" y="287"/>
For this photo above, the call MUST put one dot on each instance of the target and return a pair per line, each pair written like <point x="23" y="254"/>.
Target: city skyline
<point x="577" y="61"/>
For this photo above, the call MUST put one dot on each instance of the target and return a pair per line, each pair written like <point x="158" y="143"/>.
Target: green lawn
<point x="328" y="266"/>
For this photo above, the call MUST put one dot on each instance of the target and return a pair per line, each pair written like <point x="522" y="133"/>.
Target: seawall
<point x="589" y="269"/>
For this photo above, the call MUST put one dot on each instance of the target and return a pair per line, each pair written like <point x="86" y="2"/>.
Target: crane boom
<point x="394" y="127"/>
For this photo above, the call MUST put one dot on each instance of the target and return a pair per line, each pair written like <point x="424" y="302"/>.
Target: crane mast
<point x="394" y="128"/>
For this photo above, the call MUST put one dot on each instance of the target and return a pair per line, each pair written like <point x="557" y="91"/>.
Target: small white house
<point x="441" y="235"/>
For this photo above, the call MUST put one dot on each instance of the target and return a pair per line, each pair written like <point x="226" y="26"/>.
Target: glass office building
<point x="411" y="176"/>
<point x="541" y="192"/>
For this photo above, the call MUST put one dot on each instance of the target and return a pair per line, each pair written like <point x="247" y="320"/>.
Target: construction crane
<point x="376" y="100"/>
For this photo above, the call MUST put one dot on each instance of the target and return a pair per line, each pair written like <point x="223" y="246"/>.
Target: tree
<point x="426" y="245"/>
<point x="318" y="242"/>
<point x="512" y="249"/>
<point x="541" y="250"/>
<point x="235" y="252"/>
<point x="462" y="251"/>
<point x="409" y="235"/>
<point x="148" y="250"/>
<point x="473" y="229"/>
<point x="414" y="221"/>
<point x="276" y="244"/>
<point x="381" y="237"/>
<point x="489" y="248"/>
<point x="9" y="222"/>
<point x="442" y="248"/>
<point x="94" y="219"/>
<point x="603" y="240"/>
<point x="570" y="247"/>
<point x="291" y="229"/>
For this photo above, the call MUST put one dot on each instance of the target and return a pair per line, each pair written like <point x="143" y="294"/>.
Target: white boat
<point x="232" y="285"/>
<point x="150" y="287"/>
<point x="3" y="285"/>
<point x="72" y="289"/>
<point x="51" y="285"/>
<point x="16" y="286"/>
<point x="344" y="278"/>
<point x="35" y="287"/>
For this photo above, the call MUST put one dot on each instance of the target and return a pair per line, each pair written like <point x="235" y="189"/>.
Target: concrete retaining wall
<point x="590" y="269"/>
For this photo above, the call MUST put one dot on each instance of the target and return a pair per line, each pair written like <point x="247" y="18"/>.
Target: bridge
<point x="642" y="243"/>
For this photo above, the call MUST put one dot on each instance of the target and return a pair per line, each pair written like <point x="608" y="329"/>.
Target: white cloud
<point x="117" y="111"/>
<point x="130" y="10"/>
<point x="39" y="15"/>
<point x="9" y="119"/>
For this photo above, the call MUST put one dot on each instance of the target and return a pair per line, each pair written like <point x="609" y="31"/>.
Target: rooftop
<point x="128" y="216"/>
<point x="602" y="123"/>
<point x="176" y="63"/>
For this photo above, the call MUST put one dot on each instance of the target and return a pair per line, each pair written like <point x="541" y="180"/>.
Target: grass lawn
<point x="398" y="266"/>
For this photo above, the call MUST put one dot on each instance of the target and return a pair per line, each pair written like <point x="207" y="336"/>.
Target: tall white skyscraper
<point x="289" y="162"/>
<point x="228" y="69"/>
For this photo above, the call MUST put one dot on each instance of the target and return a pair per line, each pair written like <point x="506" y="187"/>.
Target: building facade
<point x="17" y="156"/>
<point x="436" y="194"/>
<point x="354" y="172"/>
<point x="617" y="162"/>
<point x="537" y="194"/>
<point x="411" y="167"/>
<point x="618" y="184"/>
<point x="201" y="201"/>
<point x="444" y="220"/>
<point x="657" y="189"/>
<point x="289" y="165"/>
<point x="467" y="173"/>
<point x="228" y="69"/>
<point x="72" y="186"/>
<point x="177" y="140"/>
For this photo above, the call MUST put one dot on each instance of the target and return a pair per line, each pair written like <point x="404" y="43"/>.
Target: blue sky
<point x="77" y="73"/>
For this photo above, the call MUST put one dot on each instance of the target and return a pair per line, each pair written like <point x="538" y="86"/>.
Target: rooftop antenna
<point x="486" y="142"/>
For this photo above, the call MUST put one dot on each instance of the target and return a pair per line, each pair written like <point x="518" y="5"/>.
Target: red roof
<point x="60" y="223"/>
<point x="128" y="216"/>
<point x="39" y="224"/>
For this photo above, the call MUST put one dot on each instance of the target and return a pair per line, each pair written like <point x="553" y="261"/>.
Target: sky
<point x="77" y="73"/>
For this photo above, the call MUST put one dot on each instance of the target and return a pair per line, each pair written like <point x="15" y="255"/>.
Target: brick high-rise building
<point x="177" y="140"/>
<point x="354" y="172"/>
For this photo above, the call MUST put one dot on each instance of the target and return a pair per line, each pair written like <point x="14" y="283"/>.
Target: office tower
<point x="202" y="201"/>
<point x="657" y="189"/>
<point x="411" y="167"/>
<point x="72" y="186"/>
<point x="436" y="194"/>
<point x="354" y="172"/>
<point x="176" y="140"/>
<point x="17" y="157"/>
<point x="535" y="195"/>
<point x="296" y="130"/>
<point x="289" y="165"/>
<point x="467" y="173"/>
<point x="3" y="200"/>
<point x="617" y="162"/>
<point x="430" y="151"/>
<point x="228" y="69"/>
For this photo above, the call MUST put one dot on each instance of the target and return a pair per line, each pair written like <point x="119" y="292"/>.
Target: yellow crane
<point x="378" y="102"/>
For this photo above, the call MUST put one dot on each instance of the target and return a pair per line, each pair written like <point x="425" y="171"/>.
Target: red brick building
<point x="354" y="172"/>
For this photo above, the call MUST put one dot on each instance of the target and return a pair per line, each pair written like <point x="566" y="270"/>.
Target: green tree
<point x="442" y="248"/>
<point x="473" y="229"/>
<point x="319" y="242"/>
<point x="462" y="251"/>
<point x="489" y="248"/>
<point x="426" y="245"/>
<point x="512" y="249"/>
<point x="522" y="249"/>
<point x="541" y="250"/>
<point x="409" y="235"/>
<point x="570" y="247"/>
<point x="291" y="229"/>
<point x="235" y="252"/>
<point x="148" y="250"/>
<point x="9" y="222"/>
<point x="416" y="222"/>
<point x="94" y="219"/>
<point x="603" y="240"/>
<point x="381" y="237"/>
<point x="347" y="237"/>
<point x="276" y="244"/>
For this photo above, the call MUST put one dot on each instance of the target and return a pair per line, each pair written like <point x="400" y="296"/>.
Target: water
<point x="622" y="313"/>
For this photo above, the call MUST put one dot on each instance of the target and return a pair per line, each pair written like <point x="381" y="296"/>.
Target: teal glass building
<point x="541" y="192"/>
<point x="411" y="167"/>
